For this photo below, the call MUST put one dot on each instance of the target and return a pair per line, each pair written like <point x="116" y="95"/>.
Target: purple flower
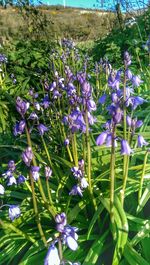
<point x="27" y="156"/>
<point x="138" y="124"/>
<point x="136" y="81"/>
<point x="21" y="179"/>
<point x="86" y="89"/>
<point x="129" y="121"/>
<point x="70" y="237"/>
<point x="48" y="172"/>
<point x="109" y="141"/>
<point x="114" y="79"/>
<point x="76" y="190"/>
<point x="2" y="190"/>
<point x="61" y="219"/>
<point x="46" y="102"/>
<point x="127" y="58"/>
<point x="14" y="212"/>
<point x="66" y="142"/>
<point x="102" y="99"/>
<point x="52" y="257"/>
<point x="33" y="116"/>
<point x="101" y="138"/>
<point x="136" y="101"/>
<point x="11" y="181"/>
<point x="35" y="172"/>
<point x="141" y="141"/>
<point x="11" y="165"/>
<point x="128" y="74"/>
<point x="91" y="105"/>
<point x="19" y="127"/>
<point x="125" y="148"/>
<point x="42" y="129"/>
<point x="77" y="173"/>
<point x="21" y="106"/>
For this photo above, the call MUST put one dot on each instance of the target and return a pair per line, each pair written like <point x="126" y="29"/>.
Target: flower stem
<point x="112" y="181"/>
<point x="34" y="199"/>
<point x="50" y="209"/>
<point x="125" y="176"/>
<point x="142" y="176"/>
<point x="74" y="149"/>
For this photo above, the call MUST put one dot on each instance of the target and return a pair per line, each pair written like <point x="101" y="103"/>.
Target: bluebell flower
<point x="102" y="99"/>
<point x="14" y="212"/>
<point x="91" y="106"/>
<point x="136" y="101"/>
<point x="125" y="148"/>
<point x="77" y="173"/>
<point x="11" y="165"/>
<point x="46" y="102"/>
<point x="127" y="58"/>
<point x="129" y="121"/>
<point x="71" y="237"/>
<point x="35" y="172"/>
<point x="2" y="190"/>
<point x="52" y="257"/>
<point x="27" y="156"/>
<point x="61" y="219"/>
<point x="109" y="141"/>
<point x="141" y="141"/>
<point x="42" y="129"/>
<point x="76" y="190"/>
<point x="21" y="106"/>
<point x="11" y="181"/>
<point x="33" y="116"/>
<point x="19" y="127"/>
<point x="83" y="182"/>
<point x="66" y="142"/>
<point x="48" y="172"/>
<point x="128" y="74"/>
<point x="21" y="179"/>
<point x="101" y="138"/>
<point x="136" y="81"/>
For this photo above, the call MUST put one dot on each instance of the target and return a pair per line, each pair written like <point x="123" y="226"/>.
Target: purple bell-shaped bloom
<point x="128" y="74"/>
<point x="76" y="190"/>
<point x="91" y="105"/>
<point x="33" y="116"/>
<point x="11" y="181"/>
<point x="129" y="121"/>
<point x="11" y="166"/>
<point x="77" y="173"/>
<point x="109" y="141"/>
<point x="136" y="101"/>
<point x="101" y="138"/>
<point x="35" y="172"/>
<point x="136" y="81"/>
<point x="2" y="190"/>
<point x="127" y="58"/>
<point x="102" y="99"/>
<point x="27" y="156"/>
<point x="141" y="141"/>
<point x="66" y="142"/>
<point x="19" y="127"/>
<point x="21" y="179"/>
<point x="52" y="257"/>
<point x="42" y="129"/>
<point x="21" y="106"/>
<point x="125" y="148"/>
<point x="14" y="212"/>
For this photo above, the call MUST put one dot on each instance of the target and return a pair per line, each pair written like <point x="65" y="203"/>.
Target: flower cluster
<point x="122" y="99"/>
<point x="67" y="236"/>
<point x="78" y="173"/>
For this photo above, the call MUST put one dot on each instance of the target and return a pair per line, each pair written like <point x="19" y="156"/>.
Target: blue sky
<point x="87" y="3"/>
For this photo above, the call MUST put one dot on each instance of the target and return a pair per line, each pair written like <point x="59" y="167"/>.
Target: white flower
<point x="84" y="183"/>
<point x="2" y="190"/>
<point x="52" y="257"/>
<point x="14" y="212"/>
